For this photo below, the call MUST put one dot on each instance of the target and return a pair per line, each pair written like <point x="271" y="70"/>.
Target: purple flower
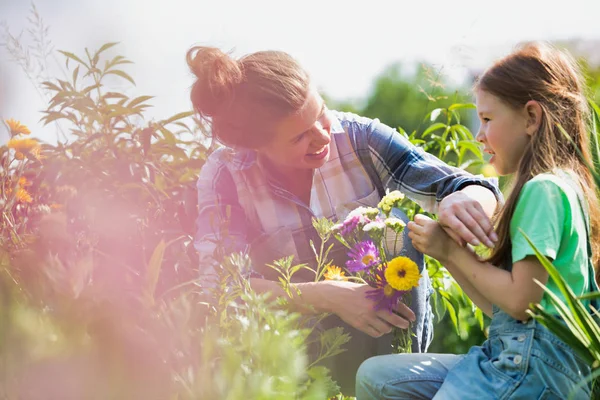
<point x="384" y="296"/>
<point x="350" y="224"/>
<point x="363" y="256"/>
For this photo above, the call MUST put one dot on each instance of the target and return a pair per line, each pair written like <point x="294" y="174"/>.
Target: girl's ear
<point x="534" y="116"/>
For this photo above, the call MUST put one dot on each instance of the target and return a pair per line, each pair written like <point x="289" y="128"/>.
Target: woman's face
<point x="301" y="141"/>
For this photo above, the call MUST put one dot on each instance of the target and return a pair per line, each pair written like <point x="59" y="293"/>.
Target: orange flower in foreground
<point x="17" y="128"/>
<point x="24" y="146"/>
<point x="23" y="196"/>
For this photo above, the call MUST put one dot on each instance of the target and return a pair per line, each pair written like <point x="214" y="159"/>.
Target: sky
<point x="343" y="44"/>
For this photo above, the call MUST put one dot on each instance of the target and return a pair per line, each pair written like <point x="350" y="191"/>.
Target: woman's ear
<point x="534" y="116"/>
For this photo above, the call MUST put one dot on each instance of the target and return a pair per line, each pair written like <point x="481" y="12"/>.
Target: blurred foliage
<point x="400" y="98"/>
<point x="99" y="295"/>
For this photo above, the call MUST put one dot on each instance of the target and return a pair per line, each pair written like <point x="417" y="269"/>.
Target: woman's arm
<point x="463" y="202"/>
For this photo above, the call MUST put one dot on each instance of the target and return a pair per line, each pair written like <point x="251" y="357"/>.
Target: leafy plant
<point x="574" y="324"/>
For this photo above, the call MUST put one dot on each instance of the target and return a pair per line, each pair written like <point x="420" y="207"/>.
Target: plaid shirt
<point x="269" y="223"/>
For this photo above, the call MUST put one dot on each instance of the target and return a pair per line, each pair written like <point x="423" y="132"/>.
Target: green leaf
<point x="471" y="146"/>
<point x="51" y="86"/>
<point x="153" y="270"/>
<point x="433" y="128"/>
<point x="114" y="95"/>
<point x="460" y="106"/>
<point x="73" y="57"/>
<point x="479" y="317"/>
<point x="589" y="296"/>
<point x="595" y="133"/>
<point x="120" y="73"/>
<point x="176" y="117"/>
<point x="573" y="311"/>
<point x="139" y="100"/>
<point x="106" y="46"/>
<point x="75" y="75"/>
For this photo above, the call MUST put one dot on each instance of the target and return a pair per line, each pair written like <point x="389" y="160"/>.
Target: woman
<point x="287" y="159"/>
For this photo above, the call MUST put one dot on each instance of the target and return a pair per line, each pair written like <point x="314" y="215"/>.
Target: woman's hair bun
<point x="217" y="75"/>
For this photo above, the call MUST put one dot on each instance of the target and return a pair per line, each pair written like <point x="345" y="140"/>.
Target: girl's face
<point x="503" y="132"/>
<point x="301" y="141"/>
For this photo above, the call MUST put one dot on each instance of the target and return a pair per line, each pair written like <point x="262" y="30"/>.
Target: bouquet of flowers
<point x="372" y="235"/>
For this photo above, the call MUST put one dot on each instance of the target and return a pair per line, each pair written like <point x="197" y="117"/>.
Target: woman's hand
<point x="465" y="221"/>
<point x="348" y="300"/>
<point x="429" y="238"/>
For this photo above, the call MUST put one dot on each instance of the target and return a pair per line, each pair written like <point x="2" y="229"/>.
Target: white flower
<point x="374" y="225"/>
<point x="336" y="228"/>
<point x="394" y="223"/>
<point x="359" y="211"/>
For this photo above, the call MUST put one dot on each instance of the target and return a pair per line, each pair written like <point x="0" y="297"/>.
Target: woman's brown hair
<point x="541" y="72"/>
<point x="243" y="99"/>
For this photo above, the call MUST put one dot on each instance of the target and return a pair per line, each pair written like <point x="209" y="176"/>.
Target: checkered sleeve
<point x="421" y="176"/>
<point x="221" y="224"/>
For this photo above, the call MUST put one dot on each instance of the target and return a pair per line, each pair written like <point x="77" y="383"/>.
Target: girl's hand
<point x="429" y="238"/>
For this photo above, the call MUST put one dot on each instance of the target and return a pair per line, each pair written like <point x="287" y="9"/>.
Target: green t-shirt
<point x="548" y="211"/>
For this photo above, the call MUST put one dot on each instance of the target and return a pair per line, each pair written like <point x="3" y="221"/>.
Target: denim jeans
<point x="362" y="346"/>
<point x="518" y="361"/>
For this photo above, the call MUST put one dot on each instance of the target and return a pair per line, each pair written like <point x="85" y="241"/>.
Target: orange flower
<point x="37" y="152"/>
<point x="17" y="128"/>
<point x="24" y="182"/>
<point x="22" y="145"/>
<point x="23" y="196"/>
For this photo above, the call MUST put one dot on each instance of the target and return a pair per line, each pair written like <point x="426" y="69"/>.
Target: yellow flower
<point x="16" y="127"/>
<point x="24" y="182"/>
<point x="37" y="152"/>
<point x="482" y="251"/>
<point x="22" y="145"/>
<point x="23" y="196"/>
<point x="390" y="200"/>
<point x="334" y="273"/>
<point x="402" y="273"/>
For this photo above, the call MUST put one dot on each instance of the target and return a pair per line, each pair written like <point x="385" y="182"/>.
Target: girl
<point x="521" y="101"/>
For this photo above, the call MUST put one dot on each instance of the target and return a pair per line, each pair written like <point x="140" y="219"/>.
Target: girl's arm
<point x="485" y="283"/>
<point x="475" y="295"/>
<point x="512" y="291"/>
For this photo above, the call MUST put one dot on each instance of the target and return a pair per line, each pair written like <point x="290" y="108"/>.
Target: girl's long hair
<point x="541" y="72"/>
